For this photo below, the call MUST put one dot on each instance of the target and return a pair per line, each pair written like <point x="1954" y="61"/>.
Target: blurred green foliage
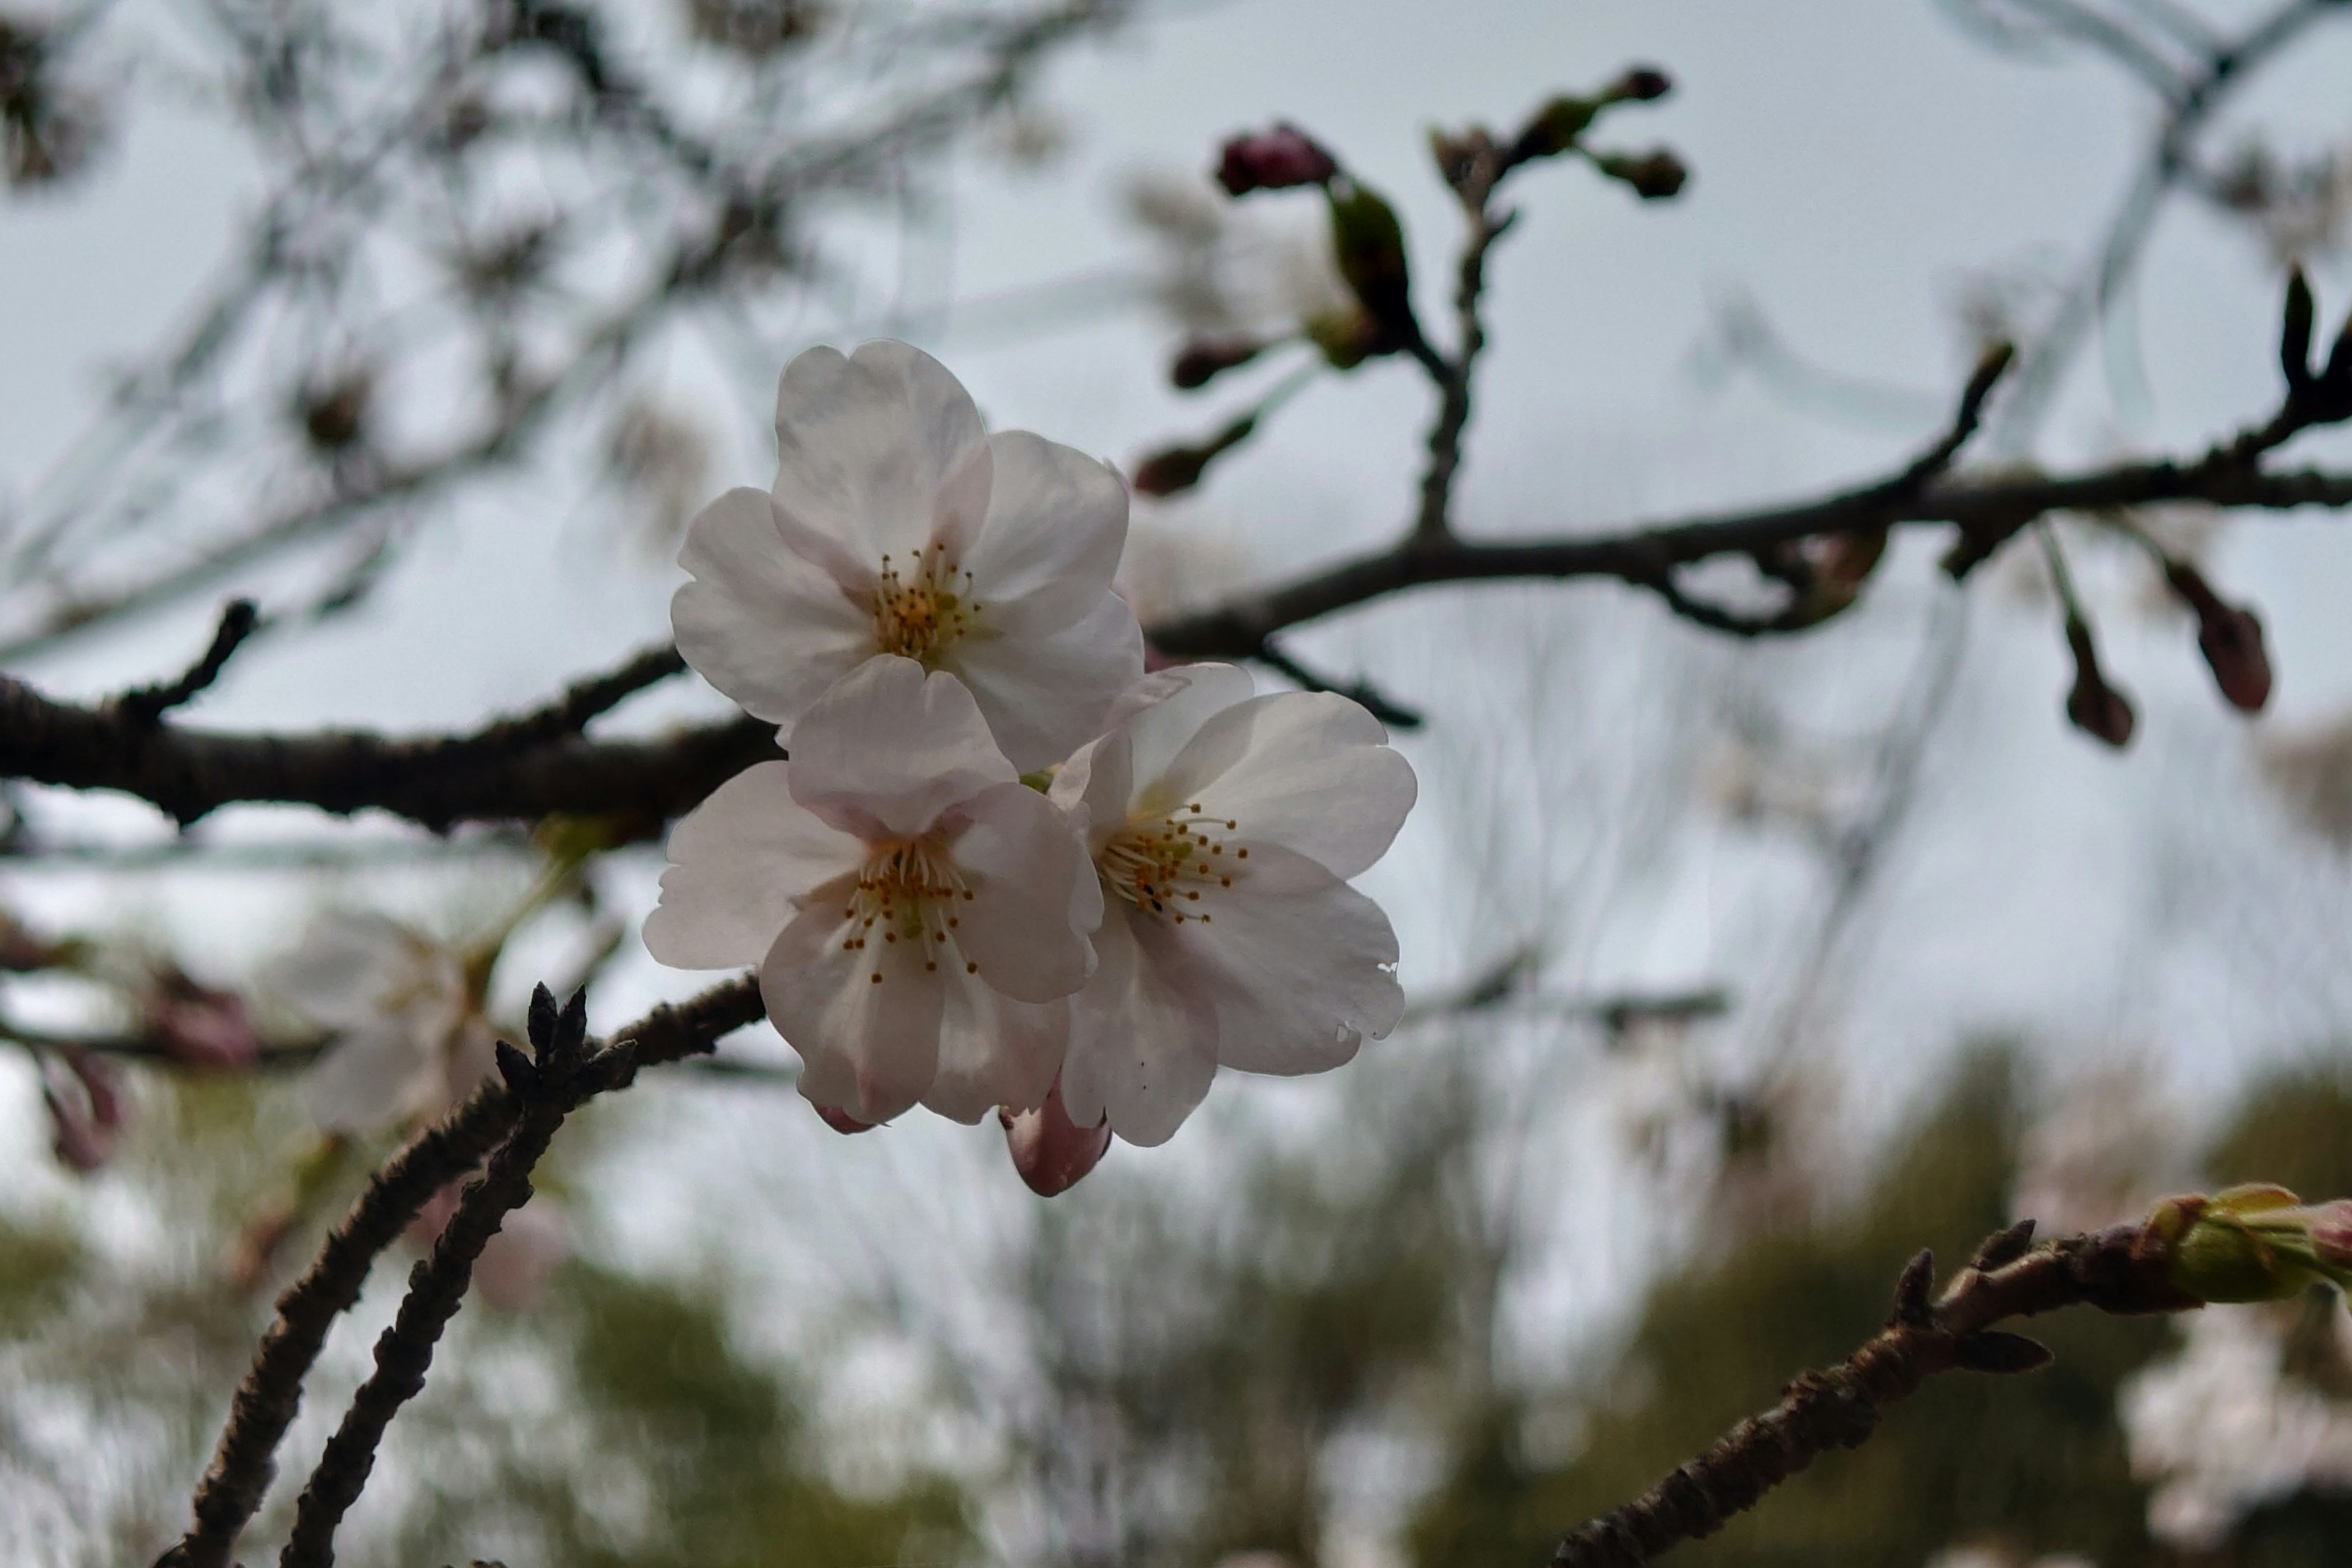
<point x="2030" y="1462"/>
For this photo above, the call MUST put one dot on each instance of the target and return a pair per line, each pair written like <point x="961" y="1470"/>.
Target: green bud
<point x="1345" y="337"/>
<point x="1370" y="245"/>
<point x="1553" y="129"/>
<point x="2256" y="1243"/>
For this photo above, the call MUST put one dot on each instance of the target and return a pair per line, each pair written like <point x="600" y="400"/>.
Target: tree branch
<point x="266" y="1402"/>
<point x="2112" y="1270"/>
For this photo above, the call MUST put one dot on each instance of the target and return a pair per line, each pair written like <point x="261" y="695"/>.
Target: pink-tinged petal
<point x="868" y="446"/>
<point x="1306" y="770"/>
<point x="371" y="1078"/>
<point x="531" y="1244"/>
<point x="1044" y="696"/>
<point x="1026" y="873"/>
<point x="740" y="861"/>
<point x="766" y="622"/>
<point x="1056" y="524"/>
<point x="347" y="966"/>
<point x="890" y="747"/>
<point x="865" y="1020"/>
<point x="1053" y="1152"/>
<point x="1093" y="787"/>
<point x="840" y="1121"/>
<point x="1163" y="711"/>
<point x="993" y="1050"/>
<point x="1301" y="966"/>
<point x="1143" y="1035"/>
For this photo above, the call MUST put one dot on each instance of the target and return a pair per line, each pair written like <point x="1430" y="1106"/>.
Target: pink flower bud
<point x="2331" y="1233"/>
<point x="1641" y="84"/>
<point x="85" y="1107"/>
<point x="1280" y="159"/>
<point x="200" y="1027"/>
<point x="1204" y="359"/>
<point x="1051" y="1151"/>
<point x="2092" y="706"/>
<point x="2229" y="638"/>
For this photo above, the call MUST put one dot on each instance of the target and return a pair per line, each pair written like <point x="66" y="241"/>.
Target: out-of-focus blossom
<point x="1224" y="828"/>
<point x="897" y="526"/>
<point x="2103" y="1153"/>
<point x="1053" y="1152"/>
<point x="917" y="913"/>
<point x="85" y="1105"/>
<point x="512" y="1271"/>
<point x="409" y="1038"/>
<point x="2311" y="771"/>
<point x="2221" y="1429"/>
<point x="663" y="460"/>
<point x="199" y="1025"/>
<point x="1234" y="274"/>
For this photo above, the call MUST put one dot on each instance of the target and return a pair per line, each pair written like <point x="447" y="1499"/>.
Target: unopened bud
<point x="2092" y="706"/>
<point x="1641" y="84"/>
<point x="1178" y="468"/>
<point x="1653" y="177"/>
<point x="1369" y="244"/>
<point x="1346" y="338"/>
<point x="2294" y="332"/>
<point x="1553" y="129"/>
<point x="1051" y="1151"/>
<point x="85" y="1105"/>
<point x="1203" y="359"/>
<point x="1281" y="159"/>
<point x="199" y="1025"/>
<point x="2229" y="638"/>
<point x="2257" y="1243"/>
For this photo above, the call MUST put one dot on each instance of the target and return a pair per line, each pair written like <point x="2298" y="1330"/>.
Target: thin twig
<point x="1474" y="185"/>
<point x="1395" y="715"/>
<point x="265" y="1404"/>
<point x="1839" y="1408"/>
<point x="239" y="619"/>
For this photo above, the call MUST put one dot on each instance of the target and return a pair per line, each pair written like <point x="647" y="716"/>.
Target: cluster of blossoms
<point x="1002" y="869"/>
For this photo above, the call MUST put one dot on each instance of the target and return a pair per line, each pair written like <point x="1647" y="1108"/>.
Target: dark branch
<point x="1395" y="715"/>
<point x="1839" y="1408"/>
<point x="266" y="1402"/>
<point x="1987" y="511"/>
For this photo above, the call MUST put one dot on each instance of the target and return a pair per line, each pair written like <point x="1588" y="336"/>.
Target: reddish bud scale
<point x="1281" y="159"/>
<point x="2092" y="706"/>
<point x="2229" y="638"/>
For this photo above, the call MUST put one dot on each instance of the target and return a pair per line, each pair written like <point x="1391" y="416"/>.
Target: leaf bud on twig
<point x="1203" y="359"/>
<point x="1654" y="177"/>
<point x="2092" y="706"/>
<point x="2228" y="636"/>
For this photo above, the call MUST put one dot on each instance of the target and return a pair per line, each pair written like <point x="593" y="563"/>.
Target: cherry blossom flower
<point x="409" y="1038"/>
<point x="1224" y="828"/>
<point x="917" y="913"/>
<point x="896" y="526"/>
<point x="1051" y="1151"/>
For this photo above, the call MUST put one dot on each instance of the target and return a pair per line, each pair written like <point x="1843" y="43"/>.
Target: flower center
<point x="1163" y="864"/>
<point x="906" y="893"/>
<point x="923" y="604"/>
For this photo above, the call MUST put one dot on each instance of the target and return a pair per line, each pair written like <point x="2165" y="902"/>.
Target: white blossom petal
<point x="993" y="1050"/>
<point x="371" y="1078"/>
<point x="765" y="623"/>
<point x="1310" y="771"/>
<point x="1056" y="525"/>
<point x="1044" y="696"/>
<point x="869" y="448"/>
<point x="1025" y="873"/>
<point x="871" y="1045"/>
<point x="889" y="747"/>
<point x="1095" y="786"/>
<point x="1164" y="711"/>
<point x="1300" y="977"/>
<point x="351" y="969"/>
<point x="741" y="860"/>
<point x="1143" y="1035"/>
